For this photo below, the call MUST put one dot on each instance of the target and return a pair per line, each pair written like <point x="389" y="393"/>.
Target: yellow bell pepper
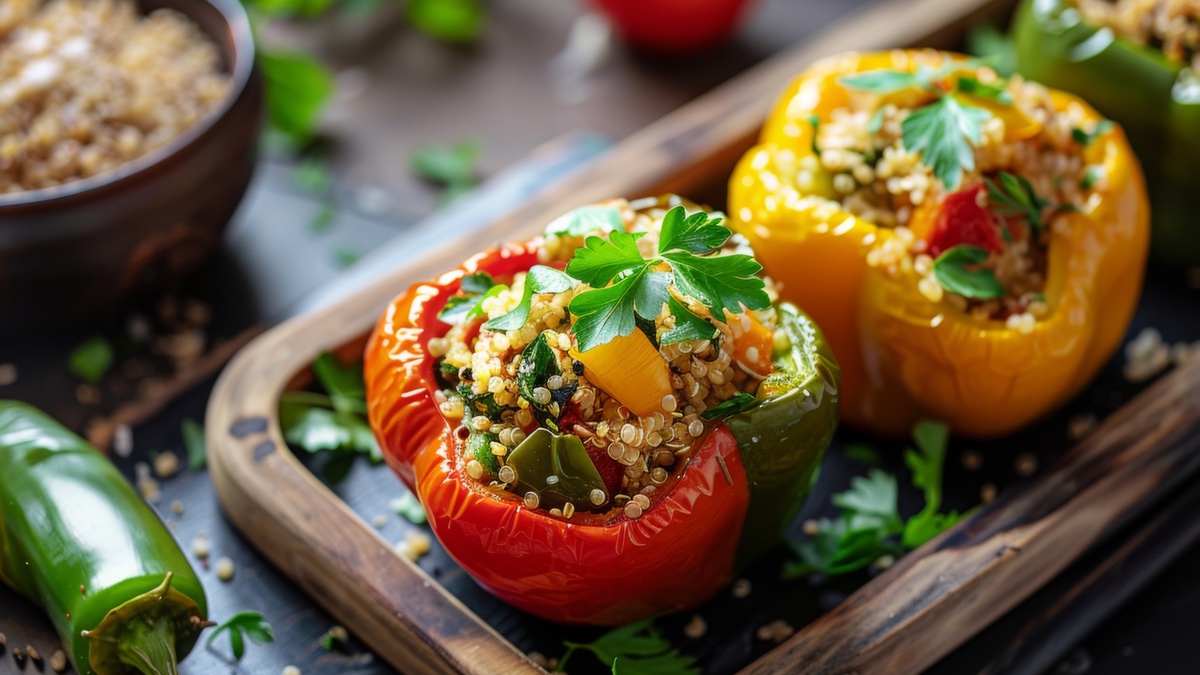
<point x="903" y="356"/>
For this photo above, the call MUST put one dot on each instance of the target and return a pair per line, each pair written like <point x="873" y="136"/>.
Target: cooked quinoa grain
<point x="88" y="85"/>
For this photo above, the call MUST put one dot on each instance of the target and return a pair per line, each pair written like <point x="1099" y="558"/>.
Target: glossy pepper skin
<point x="903" y="357"/>
<point x="1155" y="99"/>
<point x="602" y="569"/>
<point x="77" y="539"/>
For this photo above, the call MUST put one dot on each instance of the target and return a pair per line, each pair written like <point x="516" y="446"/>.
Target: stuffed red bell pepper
<point x="606" y="422"/>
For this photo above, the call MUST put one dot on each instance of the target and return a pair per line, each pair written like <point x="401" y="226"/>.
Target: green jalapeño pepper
<point x="77" y="539"/>
<point x="1156" y="100"/>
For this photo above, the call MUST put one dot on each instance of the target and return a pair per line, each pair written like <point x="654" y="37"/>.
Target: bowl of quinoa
<point x="127" y="139"/>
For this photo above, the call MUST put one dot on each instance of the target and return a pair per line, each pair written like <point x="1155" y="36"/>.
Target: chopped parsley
<point x="1085" y="138"/>
<point x="452" y="167"/>
<point x="640" y="287"/>
<point x="588" y="219"/>
<point x="475" y="289"/>
<point x="957" y="270"/>
<point x="91" y="360"/>
<point x="973" y="87"/>
<point x="1090" y="177"/>
<point x="738" y="403"/>
<point x="1014" y="196"/>
<point x="539" y="279"/>
<point x="241" y="626"/>
<point x="869" y="525"/>
<point x="634" y="648"/>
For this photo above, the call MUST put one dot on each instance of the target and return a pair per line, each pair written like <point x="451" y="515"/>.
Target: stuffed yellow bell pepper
<point x="972" y="247"/>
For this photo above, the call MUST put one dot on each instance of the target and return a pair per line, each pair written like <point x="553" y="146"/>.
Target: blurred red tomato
<point x="674" y="26"/>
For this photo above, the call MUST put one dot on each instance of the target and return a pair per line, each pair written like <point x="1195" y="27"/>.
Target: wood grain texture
<point x="936" y="597"/>
<point x="400" y="612"/>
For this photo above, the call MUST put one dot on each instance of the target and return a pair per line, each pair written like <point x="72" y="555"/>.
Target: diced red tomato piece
<point x="961" y="220"/>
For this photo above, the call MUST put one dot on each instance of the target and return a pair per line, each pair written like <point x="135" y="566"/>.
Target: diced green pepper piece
<point x="558" y="469"/>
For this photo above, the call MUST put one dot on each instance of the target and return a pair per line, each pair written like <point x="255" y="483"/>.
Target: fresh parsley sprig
<point x="639" y="286"/>
<point x="634" y="648"/>
<point x="476" y="288"/>
<point x="332" y="421"/>
<point x="869" y="525"/>
<point x="588" y="219"/>
<point x="958" y="269"/>
<point x="946" y="131"/>
<point x="241" y="626"/>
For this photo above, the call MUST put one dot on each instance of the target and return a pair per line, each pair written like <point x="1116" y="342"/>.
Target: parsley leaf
<point x="861" y="452"/>
<point x="314" y="422"/>
<point x="91" y="360"/>
<point x="297" y="86"/>
<point x="1091" y="175"/>
<point x="738" y="403"/>
<point x="722" y="283"/>
<point x="539" y="279"/>
<point x="588" y="219"/>
<point x="688" y="326"/>
<point x="945" y="133"/>
<point x="447" y="20"/>
<point x="634" y="648"/>
<point x="1015" y="196"/>
<point x="698" y="233"/>
<point x="407" y="506"/>
<point x="869" y="525"/>
<point x="605" y="313"/>
<point x="973" y="87"/>
<point x="476" y="288"/>
<point x="538" y="363"/>
<point x="599" y="260"/>
<point x="241" y="626"/>
<point x="193" y="440"/>
<point x="815" y="123"/>
<point x="1085" y="138"/>
<point x="882" y="81"/>
<point x="452" y="167"/>
<point x="344" y="383"/>
<point x="952" y="272"/>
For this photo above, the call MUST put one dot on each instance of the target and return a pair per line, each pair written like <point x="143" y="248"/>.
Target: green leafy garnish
<point x="451" y="167"/>
<point x="739" y="402"/>
<point x="447" y="20"/>
<point x="193" y="440"/>
<point x="956" y="270"/>
<point x="91" y="360"/>
<point x="1090" y="176"/>
<point x="344" y="257"/>
<point x="723" y="282"/>
<point x="882" y="81"/>
<point x="588" y="219"/>
<point x="869" y="525"/>
<point x="1015" y="196"/>
<point x="989" y="42"/>
<point x="312" y="175"/>
<point x="241" y="626"/>
<point x="479" y="404"/>
<point x="815" y="123"/>
<point x="996" y="92"/>
<point x="539" y="279"/>
<point x="298" y="86"/>
<point x="344" y="382"/>
<point x="634" y="648"/>
<point x="304" y="8"/>
<point x="409" y="508"/>
<point x="861" y="452"/>
<point x="1085" y="138"/>
<point x="538" y="363"/>
<point x="945" y="133"/>
<point x="476" y="288"/>
<point x="688" y="326"/>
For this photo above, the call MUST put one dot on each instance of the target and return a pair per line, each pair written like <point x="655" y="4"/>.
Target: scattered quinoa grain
<point x="8" y="374"/>
<point x="972" y="460"/>
<point x="200" y="546"/>
<point x="225" y="569"/>
<point x="1026" y="464"/>
<point x="177" y="507"/>
<point x="633" y="510"/>
<point x="811" y="527"/>
<point x="741" y="588"/>
<point x="58" y="661"/>
<point x="379" y="521"/>
<point x="1079" y="426"/>
<point x="777" y="631"/>
<point x="474" y="469"/>
<point x="166" y="464"/>
<point x="290" y="670"/>
<point x="696" y="628"/>
<point x="987" y="493"/>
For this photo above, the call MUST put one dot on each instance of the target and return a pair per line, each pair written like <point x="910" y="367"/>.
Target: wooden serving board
<point x="902" y="621"/>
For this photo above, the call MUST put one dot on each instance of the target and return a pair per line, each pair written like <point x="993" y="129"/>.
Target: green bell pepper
<point x="783" y="438"/>
<point x="77" y="539"/>
<point x="1155" y="99"/>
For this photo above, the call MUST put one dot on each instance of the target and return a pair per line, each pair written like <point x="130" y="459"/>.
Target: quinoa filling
<point x="603" y="429"/>
<point x="1172" y="26"/>
<point x="971" y="172"/>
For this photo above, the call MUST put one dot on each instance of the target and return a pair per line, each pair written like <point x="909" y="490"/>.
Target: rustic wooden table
<point x="398" y="90"/>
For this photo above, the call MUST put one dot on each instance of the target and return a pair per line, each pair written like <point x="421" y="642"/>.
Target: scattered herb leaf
<point x="876" y="122"/>
<point x="312" y="175"/>
<point x="955" y="271"/>
<point x="861" y="452"/>
<point x="1014" y="196"/>
<point x="538" y="363"/>
<point x="945" y="133"/>
<point x="739" y="402"/>
<point x="882" y="81"/>
<point x="91" y="360"/>
<point x="344" y="382"/>
<point x="408" y="507"/>
<point x="973" y="87"/>
<point x="601" y="259"/>
<point x="1085" y="138"/>
<point x="926" y="463"/>
<point x="815" y="123"/>
<point x="447" y="20"/>
<point x="539" y="279"/>
<point x="193" y="440"/>
<point x="588" y="219"/>
<point x="451" y="167"/>
<point x="240" y="626"/>
<point x="699" y="233"/>
<point x="1090" y="177"/>
<point x="476" y="288"/>
<point x="688" y="326"/>
<point x="323" y="219"/>
<point x="634" y="648"/>
<point x="345" y="257"/>
<point x="297" y="86"/>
